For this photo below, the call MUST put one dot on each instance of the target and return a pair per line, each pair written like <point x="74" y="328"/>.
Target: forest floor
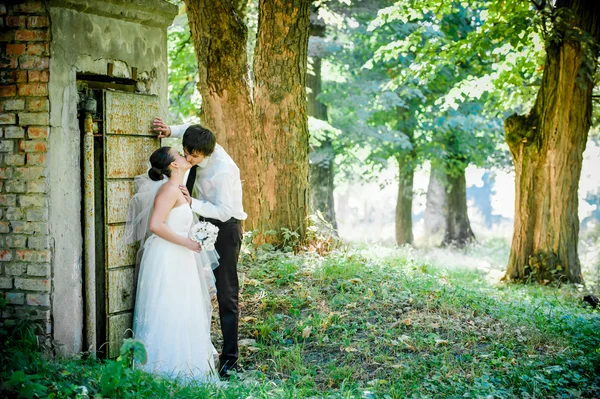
<point x="367" y="321"/>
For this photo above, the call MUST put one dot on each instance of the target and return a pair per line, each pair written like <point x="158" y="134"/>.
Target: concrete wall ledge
<point x="157" y="13"/>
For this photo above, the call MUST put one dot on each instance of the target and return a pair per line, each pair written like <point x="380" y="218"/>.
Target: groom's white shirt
<point x="218" y="188"/>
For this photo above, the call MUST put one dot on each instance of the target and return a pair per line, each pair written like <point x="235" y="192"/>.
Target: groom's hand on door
<point x="162" y="128"/>
<point x="186" y="193"/>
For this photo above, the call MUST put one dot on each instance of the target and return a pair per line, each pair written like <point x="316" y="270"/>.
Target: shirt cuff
<point x="178" y="130"/>
<point x="196" y="206"/>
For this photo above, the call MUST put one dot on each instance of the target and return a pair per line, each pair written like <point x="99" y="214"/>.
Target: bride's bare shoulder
<point x="167" y="191"/>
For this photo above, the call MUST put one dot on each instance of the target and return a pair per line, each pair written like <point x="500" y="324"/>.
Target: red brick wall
<point x="25" y="255"/>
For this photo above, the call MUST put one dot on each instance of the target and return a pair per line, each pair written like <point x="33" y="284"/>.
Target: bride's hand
<point x="186" y="194"/>
<point x="193" y="245"/>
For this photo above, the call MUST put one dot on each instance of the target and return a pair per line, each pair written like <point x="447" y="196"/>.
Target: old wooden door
<point x="128" y="143"/>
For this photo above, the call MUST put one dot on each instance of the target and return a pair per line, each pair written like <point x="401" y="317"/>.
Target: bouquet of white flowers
<point x="206" y="234"/>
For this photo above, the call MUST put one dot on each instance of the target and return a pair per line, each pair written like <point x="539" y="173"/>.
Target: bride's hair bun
<point x="155" y="174"/>
<point x="160" y="161"/>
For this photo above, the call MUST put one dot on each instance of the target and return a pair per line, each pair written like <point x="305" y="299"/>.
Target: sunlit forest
<point x="406" y="106"/>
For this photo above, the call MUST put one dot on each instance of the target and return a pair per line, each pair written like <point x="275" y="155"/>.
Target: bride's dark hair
<point x="160" y="161"/>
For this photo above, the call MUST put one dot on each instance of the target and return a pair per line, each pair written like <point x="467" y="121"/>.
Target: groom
<point x="214" y="192"/>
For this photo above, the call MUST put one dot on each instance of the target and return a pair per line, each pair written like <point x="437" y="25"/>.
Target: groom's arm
<point x="222" y="209"/>
<point x="178" y="130"/>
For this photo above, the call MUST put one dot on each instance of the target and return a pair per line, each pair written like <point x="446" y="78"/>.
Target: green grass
<point x="377" y="322"/>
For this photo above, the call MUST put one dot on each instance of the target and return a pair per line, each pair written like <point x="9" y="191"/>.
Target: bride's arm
<point x="163" y="203"/>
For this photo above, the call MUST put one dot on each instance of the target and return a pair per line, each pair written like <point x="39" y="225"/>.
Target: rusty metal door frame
<point x="89" y="119"/>
<point x="89" y="237"/>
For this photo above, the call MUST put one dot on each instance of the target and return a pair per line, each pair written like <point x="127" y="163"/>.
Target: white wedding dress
<point x="173" y="309"/>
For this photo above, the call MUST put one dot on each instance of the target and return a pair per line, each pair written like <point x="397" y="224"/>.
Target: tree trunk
<point x="280" y="113"/>
<point x="322" y="164"/>
<point x="265" y="132"/>
<point x="436" y="208"/>
<point x="547" y="147"/>
<point x="219" y="36"/>
<point x="404" y="234"/>
<point x="458" y="227"/>
<point x="321" y="183"/>
<point x="314" y="107"/>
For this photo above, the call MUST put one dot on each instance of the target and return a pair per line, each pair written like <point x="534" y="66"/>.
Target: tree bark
<point x="265" y="131"/>
<point x="321" y="184"/>
<point x="436" y="207"/>
<point x="280" y="61"/>
<point x="404" y="233"/>
<point x="458" y="228"/>
<point x="219" y="36"/>
<point x="322" y="165"/>
<point x="547" y="149"/>
<point x="315" y="108"/>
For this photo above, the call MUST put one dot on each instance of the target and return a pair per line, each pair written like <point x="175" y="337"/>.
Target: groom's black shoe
<point x="225" y="369"/>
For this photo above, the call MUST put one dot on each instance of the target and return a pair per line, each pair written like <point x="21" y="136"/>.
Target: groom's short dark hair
<point x="198" y="139"/>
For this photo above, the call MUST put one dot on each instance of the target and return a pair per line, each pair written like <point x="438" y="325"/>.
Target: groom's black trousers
<point x="228" y="246"/>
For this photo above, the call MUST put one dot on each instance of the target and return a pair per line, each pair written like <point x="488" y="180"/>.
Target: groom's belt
<point x="218" y="222"/>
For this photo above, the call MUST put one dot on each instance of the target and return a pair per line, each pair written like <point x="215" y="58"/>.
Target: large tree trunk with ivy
<point x="436" y="207"/>
<point x="266" y="135"/>
<point x="219" y="36"/>
<point x="547" y="147"/>
<point x="280" y="113"/>
<point x="458" y="228"/>
<point x="322" y="158"/>
<point x="406" y="173"/>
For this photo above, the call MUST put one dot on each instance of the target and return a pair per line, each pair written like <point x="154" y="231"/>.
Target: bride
<point x="173" y="310"/>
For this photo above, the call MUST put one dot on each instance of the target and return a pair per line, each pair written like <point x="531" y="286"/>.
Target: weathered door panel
<point x="121" y="293"/>
<point x="129" y="155"/>
<point x="118" y="193"/>
<point x="118" y="326"/>
<point x="134" y="113"/>
<point x="120" y="254"/>
<point x="128" y="143"/>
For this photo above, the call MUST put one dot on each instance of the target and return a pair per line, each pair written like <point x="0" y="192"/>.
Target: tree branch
<point x="184" y="43"/>
<point x="541" y="6"/>
<point x="519" y="129"/>
<point x="541" y="9"/>
<point x="241" y="7"/>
